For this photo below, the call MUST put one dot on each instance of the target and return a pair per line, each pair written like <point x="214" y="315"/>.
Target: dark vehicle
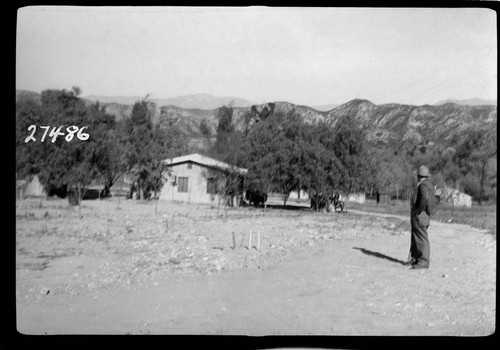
<point x="255" y="197"/>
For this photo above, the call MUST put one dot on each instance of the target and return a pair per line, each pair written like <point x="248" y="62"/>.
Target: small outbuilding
<point x="383" y="197"/>
<point x="359" y="197"/>
<point x="298" y="195"/>
<point x="196" y="178"/>
<point x="455" y="198"/>
<point x="29" y="187"/>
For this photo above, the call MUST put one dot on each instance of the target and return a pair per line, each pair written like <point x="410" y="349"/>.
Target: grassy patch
<point x="479" y="216"/>
<point x="394" y="207"/>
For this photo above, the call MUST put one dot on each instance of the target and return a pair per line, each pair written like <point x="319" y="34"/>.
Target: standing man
<point x="421" y="202"/>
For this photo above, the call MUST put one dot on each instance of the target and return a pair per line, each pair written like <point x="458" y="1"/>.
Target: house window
<point x="211" y="186"/>
<point x="182" y="184"/>
<point x="190" y="165"/>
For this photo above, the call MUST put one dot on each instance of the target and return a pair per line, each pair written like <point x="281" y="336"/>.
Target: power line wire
<point x="450" y="81"/>
<point x="437" y="72"/>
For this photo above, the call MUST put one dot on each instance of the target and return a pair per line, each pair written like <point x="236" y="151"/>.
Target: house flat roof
<point x="204" y="160"/>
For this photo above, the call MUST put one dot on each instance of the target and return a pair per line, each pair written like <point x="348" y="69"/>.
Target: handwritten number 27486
<point x="54" y="133"/>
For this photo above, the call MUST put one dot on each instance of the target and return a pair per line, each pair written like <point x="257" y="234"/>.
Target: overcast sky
<point x="307" y="56"/>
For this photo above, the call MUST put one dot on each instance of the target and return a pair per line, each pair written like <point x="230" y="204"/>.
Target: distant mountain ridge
<point x="325" y="108"/>
<point x="29" y="94"/>
<point x="397" y="122"/>
<point x="469" y="102"/>
<point x="200" y="101"/>
<point x="384" y="123"/>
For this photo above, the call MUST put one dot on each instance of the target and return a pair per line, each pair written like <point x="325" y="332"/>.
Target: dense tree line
<point x="133" y="146"/>
<point x="467" y="163"/>
<point x="285" y="154"/>
<point x="282" y="152"/>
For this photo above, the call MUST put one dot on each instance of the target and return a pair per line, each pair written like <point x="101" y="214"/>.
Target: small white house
<point x="192" y="180"/>
<point x="357" y="197"/>
<point x="298" y="195"/>
<point x="456" y="198"/>
<point x="29" y="188"/>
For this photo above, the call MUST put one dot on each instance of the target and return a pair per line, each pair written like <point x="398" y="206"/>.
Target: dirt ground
<point x="122" y="269"/>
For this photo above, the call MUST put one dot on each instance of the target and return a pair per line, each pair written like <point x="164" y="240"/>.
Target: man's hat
<point x="423" y="171"/>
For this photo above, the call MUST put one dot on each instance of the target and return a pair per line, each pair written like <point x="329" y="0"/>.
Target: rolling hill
<point x="199" y="101"/>
<point x="325" y="108"/>
<point x="383" y="123"/>
<point x="392" y="122"/>
<point x="469" y="102"/>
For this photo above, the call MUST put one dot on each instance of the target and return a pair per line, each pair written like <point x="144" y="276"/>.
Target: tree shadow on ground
<point x="299" y="207"/>
<point x="379" y="255"/>
<point x="288" y="207"/>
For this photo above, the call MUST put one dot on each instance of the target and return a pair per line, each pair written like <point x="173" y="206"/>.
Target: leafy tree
<point x="321" y="170"/>
<point x="28" y="113"/>
<point x="391" y="173"/>
<point x="175" y="140"/>
<point x="227" y="184"/>
<point x="349" y="148"/>
<point x="107" y="144"/>
<point x="294" y="132"/>
<point x="286" y="154"/>
<point x="228" y="148"/>
<point x="159" y="151"/>
<point x="247" y="117"/>
<point x="146" y="146"/>
<point x="314" y="176"/>
<point x="229" y="143"/>
<point x="66" y="163"/>
<point x="473" y="156"/>
<point x="262" y="146"/>
<point x="206" y="132"/>
<point x="132" y="145"/>
<point x="139" y="128"/>
<point x="273" y="154"/>
<point x="225" y="129"/>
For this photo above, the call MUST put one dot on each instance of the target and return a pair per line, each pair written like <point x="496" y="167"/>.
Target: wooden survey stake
<point x="242" y="238"/>
<point x="250" y="240"/>
<point x="258" y="240"/>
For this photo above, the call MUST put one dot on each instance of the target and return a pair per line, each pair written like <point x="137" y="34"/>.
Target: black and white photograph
<point x="255" y="171"/>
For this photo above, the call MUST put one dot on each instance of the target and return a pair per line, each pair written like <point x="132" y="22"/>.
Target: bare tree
<point x="227" y="185"/>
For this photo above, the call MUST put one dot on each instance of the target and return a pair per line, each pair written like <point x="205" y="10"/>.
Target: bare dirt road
<point x="316" y="274"/>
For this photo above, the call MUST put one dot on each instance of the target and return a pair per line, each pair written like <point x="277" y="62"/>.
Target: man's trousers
<point x="420" y="249"/>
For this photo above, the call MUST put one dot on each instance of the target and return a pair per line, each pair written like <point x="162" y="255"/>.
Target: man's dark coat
<point x="420" y="218"/>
